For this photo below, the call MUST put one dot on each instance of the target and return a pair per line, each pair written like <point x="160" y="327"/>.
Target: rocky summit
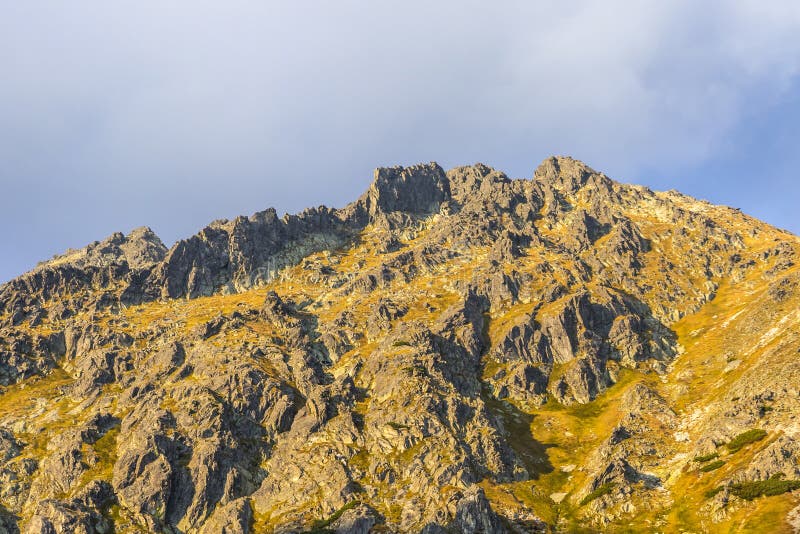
<point x="455" y="351"/>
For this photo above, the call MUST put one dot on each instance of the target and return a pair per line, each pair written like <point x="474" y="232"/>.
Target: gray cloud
<point x="114" y="115"/>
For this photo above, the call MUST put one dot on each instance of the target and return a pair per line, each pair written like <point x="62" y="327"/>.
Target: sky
<point x="174" y="113"/>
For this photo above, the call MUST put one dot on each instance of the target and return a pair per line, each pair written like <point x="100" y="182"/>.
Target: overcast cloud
<point x="171" y="114"/>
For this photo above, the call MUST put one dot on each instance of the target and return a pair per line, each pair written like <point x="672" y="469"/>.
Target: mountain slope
<point x="452" y="351"/>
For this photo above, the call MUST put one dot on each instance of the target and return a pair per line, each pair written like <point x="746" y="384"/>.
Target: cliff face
<point x="453" y="352"/>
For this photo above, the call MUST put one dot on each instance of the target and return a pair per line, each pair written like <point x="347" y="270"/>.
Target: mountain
<point x="455" y="351"/>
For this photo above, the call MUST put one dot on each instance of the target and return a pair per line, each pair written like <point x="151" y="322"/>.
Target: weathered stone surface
<point x="415" y="190"/>
<point x="86" y="514"/>
<point x="436" y="356"/>
<point x="357" y="520"/>
<point x="230" y="518"/>
<point x="474" y="515"/>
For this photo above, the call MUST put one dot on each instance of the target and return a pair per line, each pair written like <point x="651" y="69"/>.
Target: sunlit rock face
<point x="455" y="351"/>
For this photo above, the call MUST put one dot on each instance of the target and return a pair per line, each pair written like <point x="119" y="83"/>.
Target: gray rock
<point x="357" y="520"/>
<point x="475" y="516"/>
<point x="9" y="446"/>
<point x="56" y="517"/>
<point x="418" y="332"/>
<point x="230" y="518"/>
<point x="417" y="189"/>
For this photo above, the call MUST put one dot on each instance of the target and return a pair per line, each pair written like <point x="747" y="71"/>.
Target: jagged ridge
<point x="373" y="364"/>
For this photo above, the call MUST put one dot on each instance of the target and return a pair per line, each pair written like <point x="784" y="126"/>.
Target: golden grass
<point x="105" y="451"/>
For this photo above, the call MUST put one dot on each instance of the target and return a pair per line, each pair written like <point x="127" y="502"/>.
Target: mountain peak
<point x="452" y="352"/>
<point x="416" y="189"/>
<point x="139" y="248"/>
<point x="567" y="173"/>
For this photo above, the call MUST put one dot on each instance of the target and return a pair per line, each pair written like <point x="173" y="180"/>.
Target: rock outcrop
<point x="455" y="351"/>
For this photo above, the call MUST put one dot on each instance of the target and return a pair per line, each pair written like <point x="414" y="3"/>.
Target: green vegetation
<point x="746" y="438"/>
<point x="360" y="460"/>
<point x="773" y="486"/>
<point x="712" y="466"/>
<point x="321" y="526"/>
<point x="401" y="343"/>
<point x="706" y="457"/>
<point x="712" y="492"/>
<point x="599" y="492"/>
<point x="106" y="450"/>
<point x="397" y="426"/>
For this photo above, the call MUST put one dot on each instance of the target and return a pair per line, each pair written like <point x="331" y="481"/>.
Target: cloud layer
<point x="171" y="114"/>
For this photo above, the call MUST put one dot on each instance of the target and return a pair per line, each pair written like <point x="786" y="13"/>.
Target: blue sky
<point x="172" y="114"/>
